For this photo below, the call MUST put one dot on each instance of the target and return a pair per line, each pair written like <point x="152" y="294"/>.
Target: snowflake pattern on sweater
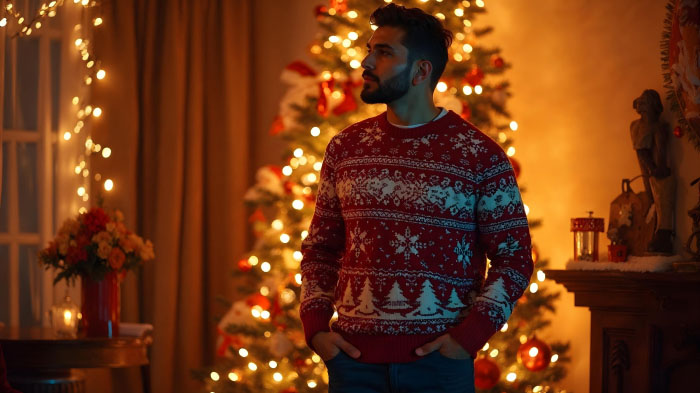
<point x="403" y="224"/>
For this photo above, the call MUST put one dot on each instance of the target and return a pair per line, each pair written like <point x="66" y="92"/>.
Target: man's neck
<point x="403" y="114"/>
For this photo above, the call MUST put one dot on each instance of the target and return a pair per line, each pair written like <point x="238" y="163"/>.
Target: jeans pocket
<point x="334" y="359"/>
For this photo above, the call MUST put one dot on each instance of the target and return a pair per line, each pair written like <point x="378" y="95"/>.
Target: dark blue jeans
<point x="433" y="373"/>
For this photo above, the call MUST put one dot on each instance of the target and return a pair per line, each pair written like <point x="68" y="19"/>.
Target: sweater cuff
<point x="473" y="333"/>
<point x="315" y="321"/>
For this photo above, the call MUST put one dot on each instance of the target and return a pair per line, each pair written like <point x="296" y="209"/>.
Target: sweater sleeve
<point x="504" y="234"/>
<point x="322" y="251"/>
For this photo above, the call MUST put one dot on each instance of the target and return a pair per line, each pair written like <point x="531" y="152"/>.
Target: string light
<point x="511" y="151"/>
<point x="214" y="376"/>
<point x="511" y="377"/>
<point x="252" y="366"/>
<point x="272" y="364"/>
<point x="514" y="125"/>
<point x="284" y="238"/>
<point x="277" y="377"/>
<point x="315" y="131"/>
<point x="243" y="352"/>
<point x="540" y="276"/>
<point x="265" y="266"/>
<point x="233" y="376"/>
<point x="277" y="224"/>
<point x="533" y="287"/>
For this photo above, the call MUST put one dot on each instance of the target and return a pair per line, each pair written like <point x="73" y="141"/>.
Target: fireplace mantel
<point x="645" y="328"/>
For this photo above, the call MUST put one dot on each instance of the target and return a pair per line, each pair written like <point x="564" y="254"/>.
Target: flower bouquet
<point x="97" y="247"/>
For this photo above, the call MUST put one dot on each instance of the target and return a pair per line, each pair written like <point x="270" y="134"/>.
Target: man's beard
<point x="388" y="91"/>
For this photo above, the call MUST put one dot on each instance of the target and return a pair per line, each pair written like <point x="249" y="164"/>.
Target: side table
<point x="38" y="361"/>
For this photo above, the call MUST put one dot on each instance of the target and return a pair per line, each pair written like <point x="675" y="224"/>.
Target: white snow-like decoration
<point x="652" y="263"/>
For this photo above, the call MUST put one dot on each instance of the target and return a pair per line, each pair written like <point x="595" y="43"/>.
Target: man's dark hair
<point x="425" y="37"/>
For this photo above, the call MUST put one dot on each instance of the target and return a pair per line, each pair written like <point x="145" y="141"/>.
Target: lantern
<point x="586" y="231"/>
<point x="64" y="318"/>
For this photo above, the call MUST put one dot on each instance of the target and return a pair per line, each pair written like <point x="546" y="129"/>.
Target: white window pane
<point x="27" y="187"/>
<point x="30" y="286"/>
<point x="21" y="107"/>
<point x="55" y="82"/>
<point x="5" y="283"/>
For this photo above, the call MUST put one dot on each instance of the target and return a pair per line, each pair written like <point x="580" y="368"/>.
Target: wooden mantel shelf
<point x="645" y="328"/>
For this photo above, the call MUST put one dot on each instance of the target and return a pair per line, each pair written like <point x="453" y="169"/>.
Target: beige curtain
<point x="178" y="120"/>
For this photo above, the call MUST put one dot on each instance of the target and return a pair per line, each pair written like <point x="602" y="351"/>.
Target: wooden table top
<point x="41" y="348"/>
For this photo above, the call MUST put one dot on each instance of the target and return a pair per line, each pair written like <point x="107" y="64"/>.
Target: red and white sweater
<point x="404" y="222"/>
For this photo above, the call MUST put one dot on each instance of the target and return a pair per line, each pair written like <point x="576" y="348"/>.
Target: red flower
<point x="116" y="258"/>
<point x="95" y="220"/>
<point x="76" y="254"/>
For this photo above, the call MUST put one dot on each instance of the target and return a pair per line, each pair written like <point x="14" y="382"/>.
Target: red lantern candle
<point x="586" y="231"/>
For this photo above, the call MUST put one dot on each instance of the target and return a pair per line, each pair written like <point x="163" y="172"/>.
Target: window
<point x="30" y="114"/>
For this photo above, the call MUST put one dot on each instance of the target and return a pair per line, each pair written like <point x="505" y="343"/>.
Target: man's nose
<point x="367" y="63"/>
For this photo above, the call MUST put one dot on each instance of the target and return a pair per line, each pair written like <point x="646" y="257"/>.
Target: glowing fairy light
<point x="315" y="131"/>
<point x="214" y="376"/>
<point x="442" y="87"/>
<point x="493" y="353"/>
<point x="511" y="377"/>
<point x="277" y="377"/>
<point x="233" y="376"/>
<point x="277" y="224"/>
<point x="514" y="125"/>
<point x="253" y="260"/>
<point x="284" y="238"/>
<point x="272" y="364"/>
<point x="511" y="151"/>
<point x="467" y="90"/>
<point x="243" y="352"/>
<point x="297" y="278"/>
<point x="505" y="327"/>
<point x="287" y="170"/>
<point x="540" y="276"/>
<point x="252" y="366"/>
<point x="265" y="266"/>
<point x="533" y="287"/>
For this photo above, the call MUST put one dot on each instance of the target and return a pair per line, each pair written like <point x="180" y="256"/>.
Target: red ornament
<point x="244" y="265"/>
<point x="474" y="77"/>
<point x="497" y="61"/>
<point x="534" y="354"/>
<point x="466" y="111"/>
<point x="678" y="132"/>
<point x="301" y="68"/>
<point x="516" y="167"/>
<point x="325" y="89"/>
<point x="486" y="373"/>
<point x="277" y="125"/>
<point x="258" y="300"/>
<point x="257" y="216"/>
<point x="320" y="11"/>
<point x="276" y="170"/>
<point x="290" y="389"/>
<point x="340" y="5"/>
<point x="349" y="103"/>
<point x="288" y="186"/>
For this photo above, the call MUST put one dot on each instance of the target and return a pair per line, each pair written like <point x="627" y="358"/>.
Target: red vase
<point x="100" y="306"/>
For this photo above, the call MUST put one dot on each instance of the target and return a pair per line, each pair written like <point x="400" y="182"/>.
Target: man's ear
<point x="423" y="70"/>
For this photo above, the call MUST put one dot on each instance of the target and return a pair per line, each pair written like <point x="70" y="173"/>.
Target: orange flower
<point x="116" y="258"/>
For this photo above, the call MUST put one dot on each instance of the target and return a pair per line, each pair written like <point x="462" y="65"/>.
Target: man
<point x="409" y="205"/>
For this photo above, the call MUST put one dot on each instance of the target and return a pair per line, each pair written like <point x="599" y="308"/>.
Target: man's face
<point x="387" y="74"/>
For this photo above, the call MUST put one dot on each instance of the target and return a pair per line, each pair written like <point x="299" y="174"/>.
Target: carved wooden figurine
<point x="650" y="138"/>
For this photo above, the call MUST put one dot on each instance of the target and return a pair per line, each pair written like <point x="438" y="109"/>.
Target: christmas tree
<point x="261" y="346"/>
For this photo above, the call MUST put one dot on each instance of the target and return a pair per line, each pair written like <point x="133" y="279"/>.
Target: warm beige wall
<point x="577" y="66"/>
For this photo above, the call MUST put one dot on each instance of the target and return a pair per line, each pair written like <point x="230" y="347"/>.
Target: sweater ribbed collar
<point x="439" y="125"/>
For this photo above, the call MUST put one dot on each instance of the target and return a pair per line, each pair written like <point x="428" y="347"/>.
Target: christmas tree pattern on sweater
<point x="403" y="224"/>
